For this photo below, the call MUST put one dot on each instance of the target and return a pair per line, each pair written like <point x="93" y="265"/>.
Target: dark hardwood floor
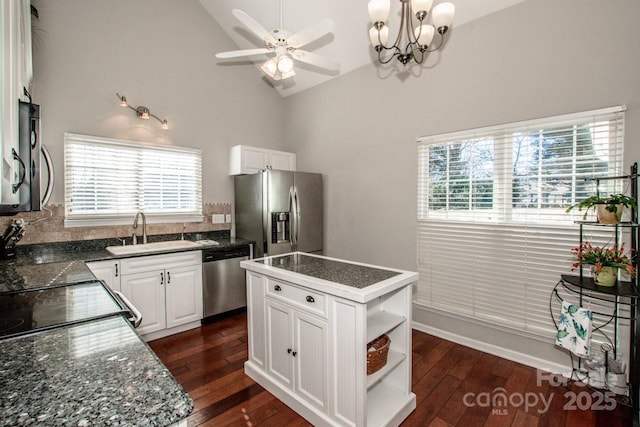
<point x="449" y="380"/>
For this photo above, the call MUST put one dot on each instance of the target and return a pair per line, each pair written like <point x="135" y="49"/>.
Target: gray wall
<point x="160" y="54"/>
<point x="536" y="59"/>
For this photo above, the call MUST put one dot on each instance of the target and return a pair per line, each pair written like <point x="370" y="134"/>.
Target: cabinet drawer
<point x="160" y="262"/>
<point x="307" y="299"/>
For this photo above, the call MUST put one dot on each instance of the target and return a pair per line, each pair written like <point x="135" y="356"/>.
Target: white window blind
<point x="493" y="234"/>
<point x="107" y="181"/>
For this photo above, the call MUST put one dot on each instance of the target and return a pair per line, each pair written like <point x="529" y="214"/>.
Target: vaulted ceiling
<point x="348" y="44"/>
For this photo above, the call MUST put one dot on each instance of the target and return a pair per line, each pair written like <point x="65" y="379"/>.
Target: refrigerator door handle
<point x="296" y="223"/>
<point x="292" y="218"/>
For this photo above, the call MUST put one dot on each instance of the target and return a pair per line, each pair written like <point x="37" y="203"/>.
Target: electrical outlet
<point x="227" y="218"/>
<point x="217" y="219"/>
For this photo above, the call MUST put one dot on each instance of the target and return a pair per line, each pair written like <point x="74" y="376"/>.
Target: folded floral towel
<point x="574" y="329"/>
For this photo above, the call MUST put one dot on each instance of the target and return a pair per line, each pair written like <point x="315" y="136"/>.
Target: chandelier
<point x="415" y="33"/>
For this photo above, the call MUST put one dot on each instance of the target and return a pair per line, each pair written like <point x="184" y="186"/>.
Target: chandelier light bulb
<point x="379" y="10"/>
<point x="419" y="6"/>
<point x="443" y="16"/>
<point x="424" y="34"/>
<point x="380" y="36"/>
<point x="285" y="64"/>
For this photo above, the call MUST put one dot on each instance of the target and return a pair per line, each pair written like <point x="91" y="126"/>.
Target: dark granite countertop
<point x="37" y="266"/>
<point x="96" y="373"/>
<point x="342" y="272"/>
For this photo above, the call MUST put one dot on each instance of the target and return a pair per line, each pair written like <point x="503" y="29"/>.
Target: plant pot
<point x="605" y="277"/>
<point x="606" y="217"/>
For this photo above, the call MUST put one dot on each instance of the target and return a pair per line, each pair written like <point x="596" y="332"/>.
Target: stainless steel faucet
<point x="144" y="228"/>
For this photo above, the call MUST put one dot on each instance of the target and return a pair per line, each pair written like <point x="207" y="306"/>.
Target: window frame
<point x="75" y="219"/>
<point x="490" y="272"/>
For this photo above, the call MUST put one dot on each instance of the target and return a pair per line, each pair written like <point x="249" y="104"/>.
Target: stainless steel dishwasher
<point x="224" y="285"/>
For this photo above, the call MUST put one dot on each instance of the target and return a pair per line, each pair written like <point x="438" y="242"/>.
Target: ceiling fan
<point x="285" y="45"/>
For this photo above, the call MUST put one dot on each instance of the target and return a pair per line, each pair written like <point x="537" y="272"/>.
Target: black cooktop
<point x="46" y="308"/>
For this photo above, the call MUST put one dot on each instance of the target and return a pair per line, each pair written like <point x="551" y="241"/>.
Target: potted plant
<point x="609" y="208"/>
<point x="605" y="262"/>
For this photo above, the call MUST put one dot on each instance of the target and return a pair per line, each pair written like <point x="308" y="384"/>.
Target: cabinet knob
<point x="294" y="353"/>
<point x="162" y="278"/>
<point x="277" y="288"/>
<point x="289" y="350"/>
<point x="168" y="278"/>
<point x="310" y="299"/>
<point x="116" y="265"/>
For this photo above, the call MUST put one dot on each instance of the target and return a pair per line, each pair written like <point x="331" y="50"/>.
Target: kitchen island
<point x="310" y="318"/>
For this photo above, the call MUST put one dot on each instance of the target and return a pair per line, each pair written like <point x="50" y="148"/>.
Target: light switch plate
<point x="217" y="219"/>
<point x="227" y="218"/>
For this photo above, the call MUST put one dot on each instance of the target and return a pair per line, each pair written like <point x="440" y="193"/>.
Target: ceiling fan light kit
<point x="285" y="46"/>
<point x="413" y="31"/>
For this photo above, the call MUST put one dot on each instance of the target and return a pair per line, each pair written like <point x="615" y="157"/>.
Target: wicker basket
<point x="377" y="353"/>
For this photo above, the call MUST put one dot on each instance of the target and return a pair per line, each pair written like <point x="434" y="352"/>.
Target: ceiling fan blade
<point x="315" y="59"/>
<point x="251" y="24"/>
<point x="310" y="34"/>
<point x="244" y="52"/>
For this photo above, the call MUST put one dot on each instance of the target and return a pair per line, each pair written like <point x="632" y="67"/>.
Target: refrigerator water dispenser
<point x="279" y="227"/>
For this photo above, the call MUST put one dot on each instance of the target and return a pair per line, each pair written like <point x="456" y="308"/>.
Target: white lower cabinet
<point x="297" y="351"/>
<point x="166" y="289"/>
<point x="146" y="292"/>
<point x="107" y="271"/>
<point x="309" y="350"/>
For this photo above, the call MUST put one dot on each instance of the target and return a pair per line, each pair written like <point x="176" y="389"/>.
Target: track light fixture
<point x="142" y="112"/>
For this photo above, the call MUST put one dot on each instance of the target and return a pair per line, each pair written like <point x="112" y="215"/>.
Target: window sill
<point x="128" y="220"/>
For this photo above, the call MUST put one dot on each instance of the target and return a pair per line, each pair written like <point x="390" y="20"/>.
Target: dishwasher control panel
<point x="217" y="254"/>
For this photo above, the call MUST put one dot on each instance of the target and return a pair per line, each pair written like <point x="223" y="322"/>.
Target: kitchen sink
<point x="152" y="247"/>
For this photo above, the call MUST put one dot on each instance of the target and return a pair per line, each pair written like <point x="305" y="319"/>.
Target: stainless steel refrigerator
<point x="280" y="210"/>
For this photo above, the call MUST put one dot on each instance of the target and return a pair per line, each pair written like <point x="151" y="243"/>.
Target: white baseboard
<point x="166" y="332"/>
<point x="525" y="359"/>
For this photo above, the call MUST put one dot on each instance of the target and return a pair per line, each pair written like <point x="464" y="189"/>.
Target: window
<point x="107" y="181"/>
<point x="493" y="234"/>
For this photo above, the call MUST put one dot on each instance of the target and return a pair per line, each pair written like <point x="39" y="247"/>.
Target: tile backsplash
<point x="48" y="226"/>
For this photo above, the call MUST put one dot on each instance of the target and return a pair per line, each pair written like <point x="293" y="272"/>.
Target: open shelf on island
<point x="384" y="402"/>
<point x="381" y="322"/>
<point x="394" y="358"/>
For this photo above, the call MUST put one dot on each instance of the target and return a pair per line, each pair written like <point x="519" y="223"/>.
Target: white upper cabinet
<point x="247" y="160"/>
<point x="16" y="73"/>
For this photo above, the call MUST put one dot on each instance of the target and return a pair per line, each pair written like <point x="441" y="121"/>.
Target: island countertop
<point x="355" y="281"/>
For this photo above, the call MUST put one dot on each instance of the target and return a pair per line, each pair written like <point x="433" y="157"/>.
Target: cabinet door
<point x="146" y="292"/>
<point x="184" y="295"/>
<point x="279" y="339"/>
<point x="107" y="271"/>
<point x="311" y="352"/>
<point x="15" y="73"/>
<point x="282" y="160"/>
<point x="247" y="160"/>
